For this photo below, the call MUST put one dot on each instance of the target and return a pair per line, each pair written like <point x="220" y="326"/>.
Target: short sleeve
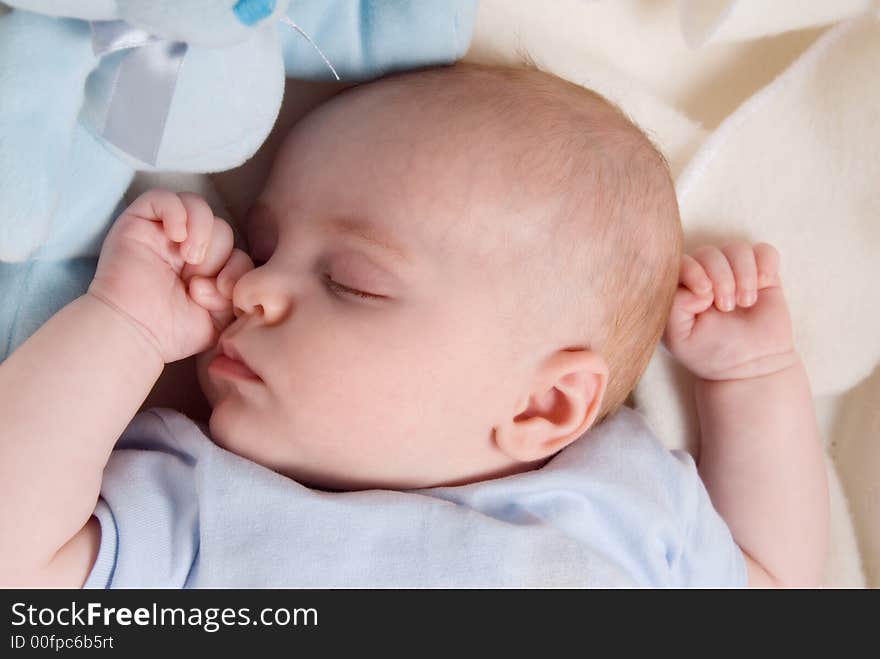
<point x="148" y="507"/>
<point x="709" y="557"/>
<point x="102" y="571"/>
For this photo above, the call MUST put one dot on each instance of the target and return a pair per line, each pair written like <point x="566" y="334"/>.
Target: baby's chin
<point x="219" y="433"/>
<point x="229" y="430"/>
<point x="232" y="431"/>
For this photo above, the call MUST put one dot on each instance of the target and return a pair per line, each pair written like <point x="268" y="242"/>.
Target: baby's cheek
<point x="361" y="395"/>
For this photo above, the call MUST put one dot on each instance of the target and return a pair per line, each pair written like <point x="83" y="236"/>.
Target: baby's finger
<point x="162" y="205"/>
<point x="719" y="271"/>
<point x="223" y="319"/>
<point x="204" y="291"/>
<point x="200" y="223"/>
<point x="693" y="277"/>
<point x="741" y="258"/>
<point x="767" y="259"/>
<point x="238" y="264"/>
<point x="686" y="306"/>
<point x="218" y="249"/>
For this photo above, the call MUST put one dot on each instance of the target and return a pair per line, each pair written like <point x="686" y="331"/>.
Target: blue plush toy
<point x="93" y="90"/>
<point x="174" y="85"/>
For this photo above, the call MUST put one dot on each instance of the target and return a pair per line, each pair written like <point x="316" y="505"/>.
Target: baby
<point x="461" y="275"/>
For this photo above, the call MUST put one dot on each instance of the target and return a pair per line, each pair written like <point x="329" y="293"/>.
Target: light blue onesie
<point x="615" y="508"/>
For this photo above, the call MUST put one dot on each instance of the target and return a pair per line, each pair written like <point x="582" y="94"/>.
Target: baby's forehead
<point x="456" y="161"/>
<point x="421" y="159"/>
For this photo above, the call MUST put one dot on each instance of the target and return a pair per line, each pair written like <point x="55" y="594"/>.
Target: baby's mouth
<point x="228" y="362"/>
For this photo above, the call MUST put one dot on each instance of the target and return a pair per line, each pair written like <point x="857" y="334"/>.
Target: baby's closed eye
<point x="341" y="289"/>
<point x="354" y="274"/>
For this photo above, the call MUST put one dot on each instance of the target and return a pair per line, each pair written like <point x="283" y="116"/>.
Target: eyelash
<point x="339" y="288"/>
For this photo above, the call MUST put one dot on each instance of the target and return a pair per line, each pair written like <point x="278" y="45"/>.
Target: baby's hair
<point x="603" y="271"/>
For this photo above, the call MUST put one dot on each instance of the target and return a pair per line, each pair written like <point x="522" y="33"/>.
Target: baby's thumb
<point x="686" y="306"/>
<point x="203" y="291"/>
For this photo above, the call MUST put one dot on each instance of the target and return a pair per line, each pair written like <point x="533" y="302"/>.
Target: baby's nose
<point x="261" y="292"/>
<point x="253" y="11"/>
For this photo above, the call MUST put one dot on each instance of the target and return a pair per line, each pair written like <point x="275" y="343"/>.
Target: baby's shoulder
<point x="624" y="452"/>
<point x="626" y="438"/>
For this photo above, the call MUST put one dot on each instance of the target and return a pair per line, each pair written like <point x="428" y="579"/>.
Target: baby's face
<point x="381" y="324"/>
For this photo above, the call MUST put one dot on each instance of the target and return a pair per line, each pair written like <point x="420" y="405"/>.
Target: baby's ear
<point x="560" y="407"/>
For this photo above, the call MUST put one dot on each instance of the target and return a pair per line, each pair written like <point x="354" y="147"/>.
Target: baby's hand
<point x="729" y="319"/>
<point x="168" y="265"/>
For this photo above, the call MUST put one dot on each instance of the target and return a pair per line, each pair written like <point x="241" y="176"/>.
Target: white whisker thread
<point x="285" y="19"/>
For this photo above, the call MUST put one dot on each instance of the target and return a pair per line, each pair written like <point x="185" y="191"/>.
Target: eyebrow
<point x="370" y="234"/>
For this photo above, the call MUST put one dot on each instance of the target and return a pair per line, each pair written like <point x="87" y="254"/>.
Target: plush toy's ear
<point x="88" y="10"/>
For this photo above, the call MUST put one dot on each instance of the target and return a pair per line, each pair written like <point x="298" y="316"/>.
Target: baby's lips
<point x="226" y="348"/>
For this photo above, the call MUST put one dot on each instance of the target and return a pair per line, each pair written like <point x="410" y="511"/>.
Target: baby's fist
<point x="729" y="319"/>
<point x="214" y="293"/>
<point x="154" y="267"/>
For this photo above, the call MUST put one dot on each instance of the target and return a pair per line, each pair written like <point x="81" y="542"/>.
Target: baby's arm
<point x="68" y="392"/>
<point x="760" y="453"/>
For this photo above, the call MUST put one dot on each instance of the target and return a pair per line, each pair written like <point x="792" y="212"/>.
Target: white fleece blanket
<point x="794" y="162"/>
